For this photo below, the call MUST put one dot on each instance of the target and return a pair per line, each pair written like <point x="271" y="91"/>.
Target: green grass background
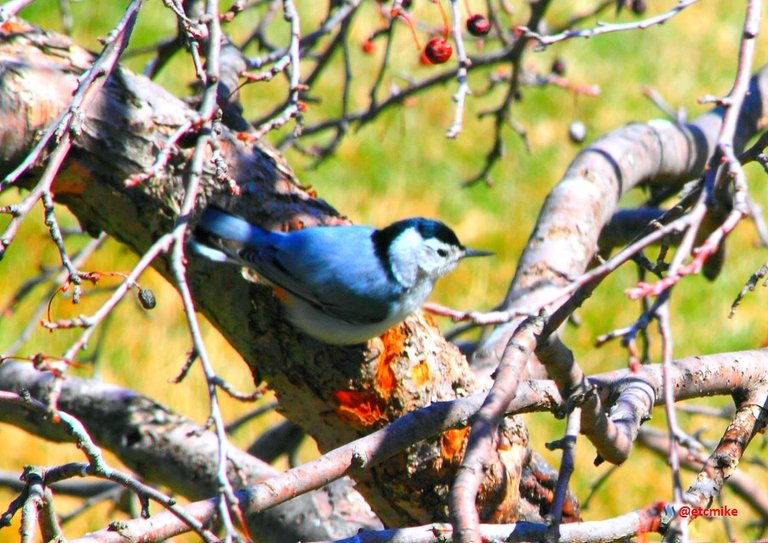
<point x="402" y="166"/>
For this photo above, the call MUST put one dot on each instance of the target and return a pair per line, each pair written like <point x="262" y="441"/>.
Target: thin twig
<point x="605" y="28"/>
<point x="461" y="73"/>
<point x="568" y="446"/>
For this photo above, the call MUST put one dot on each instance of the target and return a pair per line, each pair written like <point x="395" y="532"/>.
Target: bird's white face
<point x="437" y="258"/>
<point x="415" y="259"/>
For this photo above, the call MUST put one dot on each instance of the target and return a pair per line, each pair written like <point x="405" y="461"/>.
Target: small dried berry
<point x="639" y="7"/>
<point x="438" y="50"/>
<point x="478" y="25"/>
<point x="147" y="298"/>
<point x="558" y="67"/>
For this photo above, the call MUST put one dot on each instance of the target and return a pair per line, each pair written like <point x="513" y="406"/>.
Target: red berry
<point x="478" y="25"/>
<point x="368" y="47"/>
<point x="438" y="50"/>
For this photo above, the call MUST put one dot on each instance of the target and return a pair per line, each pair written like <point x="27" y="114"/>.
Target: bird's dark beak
<point x="476" y="252"/>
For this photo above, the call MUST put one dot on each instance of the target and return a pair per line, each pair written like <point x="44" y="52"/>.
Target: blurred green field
<point x="402" y="166"/>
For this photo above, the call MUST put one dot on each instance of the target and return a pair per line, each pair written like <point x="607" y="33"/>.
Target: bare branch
<point x="635" y="523"/>
<point x="481" y="443"/>
<point x="605" y="28"/>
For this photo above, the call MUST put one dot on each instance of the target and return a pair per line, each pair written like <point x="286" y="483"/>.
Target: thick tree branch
<point x="635" y="523"/>
<point x="565" y="239"/>
<point x="742" y="374"/>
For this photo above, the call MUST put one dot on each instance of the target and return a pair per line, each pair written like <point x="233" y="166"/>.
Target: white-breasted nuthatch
<point x="343" y="284"/>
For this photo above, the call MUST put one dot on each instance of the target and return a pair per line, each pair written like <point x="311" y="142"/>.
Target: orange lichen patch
<point x="430" y="319"/>
<point x="650" y="520"/>
<point x="571" y="513"/>
<point x="420" y="373"/>
<point x="392" y="344"/>
<point x="359" y="407"/>
<point x="452" y="443"/>
<point x="394" y="340"/>
<point x="247" y="137"/>
<point x="385" y="381"/>
<point x="73" y="180"/>
<point x="294" y="224"/>
<point x="281" y="294"/>
<point x="15" y="26"/>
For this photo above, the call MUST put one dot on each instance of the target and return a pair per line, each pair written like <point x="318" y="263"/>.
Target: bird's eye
<point x="442" y="252"/>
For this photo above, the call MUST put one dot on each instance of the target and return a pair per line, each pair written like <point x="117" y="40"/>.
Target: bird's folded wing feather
<point x="334" y="269"/>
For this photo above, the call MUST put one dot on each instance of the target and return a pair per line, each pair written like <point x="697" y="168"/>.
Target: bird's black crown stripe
<point x="435" y="229"/>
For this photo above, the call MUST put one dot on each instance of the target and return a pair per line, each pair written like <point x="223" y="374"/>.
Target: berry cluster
<point x="438" y="49"/>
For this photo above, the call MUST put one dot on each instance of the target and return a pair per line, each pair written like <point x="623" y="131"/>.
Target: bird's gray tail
<point x="221" y="236"/>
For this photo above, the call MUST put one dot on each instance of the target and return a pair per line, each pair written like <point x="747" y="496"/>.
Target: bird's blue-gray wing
<point x="333" y="268"/>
